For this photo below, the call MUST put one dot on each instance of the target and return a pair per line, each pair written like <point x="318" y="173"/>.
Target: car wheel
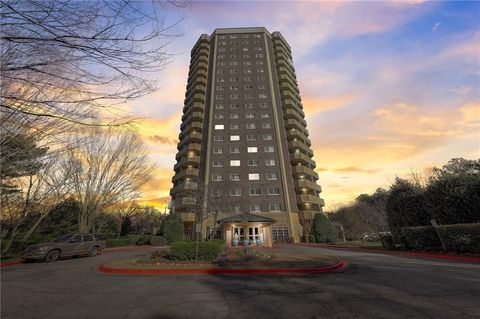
<point x="52" y="256"/>
<point x="93" y="251"/>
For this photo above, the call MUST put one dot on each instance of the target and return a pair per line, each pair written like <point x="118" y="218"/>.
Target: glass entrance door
<point x="253" y="234"/>
<point x="238" y="232"/>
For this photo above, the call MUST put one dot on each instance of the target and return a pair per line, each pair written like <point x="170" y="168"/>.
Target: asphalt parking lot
<point x="374" y="286"/>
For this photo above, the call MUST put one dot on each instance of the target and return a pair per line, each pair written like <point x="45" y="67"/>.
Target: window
<point x="234" y="137"/>
<point x="234" y="87"/>
<point x="234" y="106"/>
<point x="259" y="62"/>
<point x="262" y="95"/>
<point x="266" y="125"/>
<point x="263" y="105"/>
<point x="234" y="150"/>
<point x="217" y="192"/>
<point x="219" y="106"/>
<point x="221" y="80"/>
<point x="248" y="87"/>
<point x="235" y="177"/>
<point x="235" y="192"/>
<point x="261" y="78"/>
<point x="275" y="207"/>
<point x="219" y="116"/>
<point x="253" y="177"/>
<point x="247" y="78"/>
<point x="257" y="36"/>
<point x="220" y="96"/>
<point x="253" y="162"/>
<point x="220" y="87"/>
<point x="274" y="191"/>
<point x="252" y="149"/>
<point x="233" y="49"/>
<point x="272" y="176"/>
<point x="245" y="49"/>
<point x="217" y="177"/>
<point x="234" y="116"/>
<point x="270" y="162"/>
<point x="221" y="64"/>
<point x="262" y="87"/>
<point x="249" y="116"/>
<point x="233" y="56"/>
<point x="247" y="62"/>
<point x="218" y="138"/>
<point x="246" y="56"/>
<point x="249" y="105"/>
<point x="234" y="79"/>
<point x="249" y="96"/>
<point x="217" y="163"/>
<point x="260" y="70"/>
<point x="234" y="126"/>
<point x="234" y="163"/>
<point x="217" y="150"/>
<point x="254" y="191"/>
<point x="267" y="137"/>
<point x="220" y="71"/>
<point x="255" y="208"/>
<point x="233" y="37"/>
<point x="265" y="116"/>
<point x="259" y="55"/>
<point x="234" y="96"/>
<point x="234" y="63"/>
<point x="251" y="137"/>
<point x="250" y="126"/>
<point x="268" y="149"/>
<point x="248" y="70"/>
<point x="88" y="238"/>
<point x="221" y="56"/>
<point x="219" y="126"/>
<point x="233" y="71"/>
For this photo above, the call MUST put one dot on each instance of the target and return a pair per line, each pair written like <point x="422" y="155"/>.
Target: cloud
<point x="162" y="140"/>
<point x="313" y="105"/>
<point x="435" y="26"/>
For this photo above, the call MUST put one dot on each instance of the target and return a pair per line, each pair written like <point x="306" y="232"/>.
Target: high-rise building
<point x="244" y="154"/>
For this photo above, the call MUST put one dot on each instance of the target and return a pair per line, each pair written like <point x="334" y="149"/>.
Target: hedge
<point x="323" y="229"/>
<point x="117" y="242"/>
<point x="462" y="238"/>
<point x="185" y="250"/>
<point x="158" y="241"/>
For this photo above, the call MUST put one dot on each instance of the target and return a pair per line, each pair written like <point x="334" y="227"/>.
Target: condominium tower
<point x="244" y="148"/>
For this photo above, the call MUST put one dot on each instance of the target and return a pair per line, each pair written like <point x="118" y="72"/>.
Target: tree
<point x="405" y="205"/>
<point x="172" y="228"/>
<point x="67" y="59"/>
<point x="323" y="229"/>
<point x="108" y="167"/>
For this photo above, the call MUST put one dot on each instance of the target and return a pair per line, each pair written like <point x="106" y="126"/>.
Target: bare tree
<point x="63" y="59"/>
<point x="108" y="167"/>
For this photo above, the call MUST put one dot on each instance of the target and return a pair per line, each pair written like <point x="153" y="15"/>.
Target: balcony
<point x="282" y="78"/>
<point x="194" y="106"/>
<point x="198" y="59"/>
<point x="296" y="134"/>
<point x="193" y="148"/>
<point x="191" y="172"/>
<point x="294" y="115"/>
<point x="305" y="183"/>
<point x="197" y="97"/>
<point x="310" y="199"/>
<point x="287" y="65"/>
<point x="190" y="116"/>
<point x="298" y="157"/>
<point x="200" y="80"/>
<point x="187" y="161"/>
<point x="199" y="66"/>
<point x="301" y="170"/>
<point x="198" y="88"/>
<point x="192" y="137"/>
<point x="295" y="144"/>
<point x="281" y="56"/>
<point x="293" y="124"/>
<point x="287" y="95"/>
<point x="291" y="104"/>
<point x="280" y="42"/>
<point x="286" y="71"/>
<point x="185" y="201"/>
<point x="288" y="86"/>
<point x="188" y="217"/>
<point x="188" y="186"/>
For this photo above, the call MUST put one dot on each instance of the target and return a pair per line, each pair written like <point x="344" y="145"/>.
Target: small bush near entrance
<point x="172" y="228"/>
<point x="185" y="250"/>
<point x="117" y="242"/>
<point x="158" y="241"/>
<point x="323" y="229"/>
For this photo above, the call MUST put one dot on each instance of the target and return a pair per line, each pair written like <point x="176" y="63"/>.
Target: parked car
<point x="68" y="245"/>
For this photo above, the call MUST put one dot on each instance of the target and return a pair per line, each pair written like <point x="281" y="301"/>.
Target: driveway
<point x="374" y="286"/>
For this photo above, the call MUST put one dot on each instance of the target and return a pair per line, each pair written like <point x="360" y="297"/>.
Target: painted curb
<point x="339" y="266"/>
<point x="10" y="263"/>
<point x="400" y="253"/>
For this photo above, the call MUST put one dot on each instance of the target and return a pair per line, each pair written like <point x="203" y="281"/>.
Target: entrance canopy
<point x="247" y="218"/>
<point x="247" y="230"/>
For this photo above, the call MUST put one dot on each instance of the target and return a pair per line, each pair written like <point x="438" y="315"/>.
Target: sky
<point x="387" y="87"/>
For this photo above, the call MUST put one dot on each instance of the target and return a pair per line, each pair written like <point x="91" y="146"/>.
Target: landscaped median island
<point x="180" y="260"/>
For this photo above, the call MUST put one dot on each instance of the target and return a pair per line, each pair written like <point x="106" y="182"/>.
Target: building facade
<point x="244" y="145"/>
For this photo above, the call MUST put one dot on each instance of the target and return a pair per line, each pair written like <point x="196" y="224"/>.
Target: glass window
<point x="253" y="162"/>
<point x="220" y="87"/>
<point x="220" y="79"/>
<point x="234" y="96"/>
<point x="88" y="238"/>
<point x="255" y="208"/>
<point x="234" y="162"/>
<point x="249" y="96"/>
<point x="219" y="106"/>
<point x="220" y="96"/>
<point x="234" y="87"/>
<point x="235" y="106"/>
<point x="248" y="70"/>
<point x="262" y="87"/>
<point x="234" y="137"/>
<point x="234" y="126"/>
<point x="235" y="192"/>
<point x="260" y="70"/>
<point x="251" y="137"/>
<point x="217" y="177"/>
<point x="253" y="177"/>
<point x="234" y="79"/>
<point x="266" y="125"/>
<point x="252" y="149"/>
<point x="265" y="116"/>
<point x="219" y="116"/>
<point x="250" y="126"/>
<point x="217" y="150"/>
<point x="272" y="176"/>
<point x="261" y="78"/>
<point x="219" y="126"/>
<point x="267" y="137"/>
<point x="268" y="149"/>
<point x="275" y="207"/>
<point x="234" y="150"/>
<point x="249" y="105"/>
<point x="274" y="191"/>
<point x="248" y="87"/>
<point x="218" y="138"/>
<point x="249" y="115"/>
<point x="234" y="116"/>
<point x="247" y="62"/>
<point x="254" y="191"/>
<point x="270" y="162"/>
<point x="247" y="78"/>
<point x="263" y="105"/>
<point x="217" y="163"/>
<point x="235" y="177"/>
<point x="262" y="95"/>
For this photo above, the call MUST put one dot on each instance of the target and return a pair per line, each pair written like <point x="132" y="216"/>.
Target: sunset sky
<point x="387" y="87"/>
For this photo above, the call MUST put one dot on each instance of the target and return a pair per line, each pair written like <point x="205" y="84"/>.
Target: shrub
<point x="387" y="241"/>
<point x="158" y="241"/>
<point x="117" y="242"/>
<point x="172" y="228"/>
<point x="419" y="238"/>
<point x="185" y="250"/>
<point x="311" y="238"/>
<point x="323" y="229"/>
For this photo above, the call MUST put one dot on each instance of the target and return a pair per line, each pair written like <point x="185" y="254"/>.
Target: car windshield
<point x="63" y="238"/>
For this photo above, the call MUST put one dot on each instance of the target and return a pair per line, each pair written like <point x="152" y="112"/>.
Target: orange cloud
<point x="313" y="105"/>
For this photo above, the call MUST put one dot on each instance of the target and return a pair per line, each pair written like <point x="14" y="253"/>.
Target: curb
<point x="10" y="263"/>
<point x="339" y="266"/>
<point x="400" y="253"/>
